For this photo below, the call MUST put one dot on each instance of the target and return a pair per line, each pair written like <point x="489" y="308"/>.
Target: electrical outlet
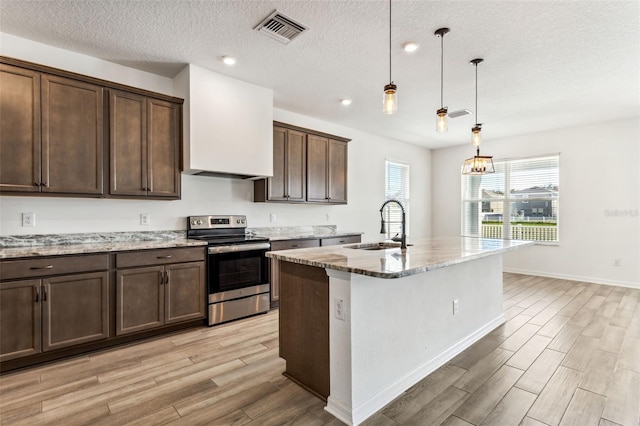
<point x="328" y="217"/>
<point x="455" y="306"/>
<point x="272" y="217"/>
<point x="617" y="262"/>
<point x="145" y="219"/>
<point x="339" y="308"/>
<point x="29" y="219"/>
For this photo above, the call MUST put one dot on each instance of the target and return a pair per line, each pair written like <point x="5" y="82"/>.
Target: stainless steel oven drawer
<point x="234" y="309"/>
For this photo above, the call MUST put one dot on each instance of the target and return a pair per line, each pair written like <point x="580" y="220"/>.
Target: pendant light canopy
<point x="390" y="99"/>
<point x="441" y="121"/>
<point x="478" y="164"/>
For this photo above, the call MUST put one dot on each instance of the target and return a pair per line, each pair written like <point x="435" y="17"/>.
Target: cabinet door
<point x="19" y="319"/>
<point x="163" y="173"/>
<point x="296" y="165"/>
<point x="19" y="129"/>
<point x="277" y="185"/>
<point x="337" y="170"/>
<point x="72" y="136"/>
<point x="75" y="309"/>
<point x="184" y="292"/>
<point x="128" y="144"/>
<point x="317" y="169"/>
<point x="139" y="299"/>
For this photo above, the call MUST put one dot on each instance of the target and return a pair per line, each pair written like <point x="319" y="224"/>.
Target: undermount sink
<point x="375" y="246"/>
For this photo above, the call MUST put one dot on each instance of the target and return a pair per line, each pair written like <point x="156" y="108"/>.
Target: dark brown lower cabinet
<point x="154" y="296"/>
<point x="52" y="313"/>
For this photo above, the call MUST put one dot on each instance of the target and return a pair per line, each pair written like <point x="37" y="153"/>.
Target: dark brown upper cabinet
<point x="308" y="167"/>
<point x="54" y="128"/>
<point x="144" y="146"/>
<point x="51" y="133"/>
<point x="289" y="168"/>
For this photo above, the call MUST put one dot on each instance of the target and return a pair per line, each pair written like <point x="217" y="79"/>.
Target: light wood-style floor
<point x="568" y="354"/>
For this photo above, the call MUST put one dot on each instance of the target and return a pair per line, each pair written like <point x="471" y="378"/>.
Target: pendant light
<point x="390" y="99"/>
<point x="441" y="121"/>
<point x="478" y="164"/>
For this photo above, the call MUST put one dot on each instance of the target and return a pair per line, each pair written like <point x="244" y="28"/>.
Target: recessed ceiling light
<point x="229" y="60"/>
<point x="345" y="102"/>
<point x="410" y="46"/>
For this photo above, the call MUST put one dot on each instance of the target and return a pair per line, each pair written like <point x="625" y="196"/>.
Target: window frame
<point x="507" y="199"/>
<point x="394" y="228"/>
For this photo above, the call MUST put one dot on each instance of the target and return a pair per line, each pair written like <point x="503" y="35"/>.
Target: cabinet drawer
<point x="334" y="241"/>
<point x="294" y="244"/>
<point x="159" y="257"/>
<point x="46" y="266"/>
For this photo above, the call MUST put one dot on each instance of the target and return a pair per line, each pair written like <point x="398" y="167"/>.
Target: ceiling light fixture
<point x="390" y="99"/>
<point x="229" y="60"/>
<point x="345" y="102"/>
<point x="441" y="121"/>
<point x="478" y="164"/>
<point x="410" y="47"/>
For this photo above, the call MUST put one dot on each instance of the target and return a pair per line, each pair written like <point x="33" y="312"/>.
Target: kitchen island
<point x="361" y="323"/>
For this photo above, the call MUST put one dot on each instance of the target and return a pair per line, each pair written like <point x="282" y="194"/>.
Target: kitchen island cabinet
<point x="360" y="324"/>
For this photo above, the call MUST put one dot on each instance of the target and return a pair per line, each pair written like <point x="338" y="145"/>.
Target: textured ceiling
<point x="548" y="64"/>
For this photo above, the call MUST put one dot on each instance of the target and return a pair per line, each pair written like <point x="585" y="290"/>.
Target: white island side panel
<point x="398" y="331"/>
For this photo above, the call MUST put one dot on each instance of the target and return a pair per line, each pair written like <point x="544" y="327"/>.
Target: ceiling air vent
<point x="280" y="27"/>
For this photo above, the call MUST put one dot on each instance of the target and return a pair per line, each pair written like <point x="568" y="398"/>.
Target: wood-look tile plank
<point x="622" y="318"/>
<point x="539" y="373"/>
<point x="605" y="422"/>
<point x="479" y="373"/>
<point x="608" y="309"/>
<point x="544" y="316"/>
<point x="630" y="354"/>
<point x="596" y="327"/>
<point x="520" y="337"/>
<point x="566" y="338"/>
<point x="612" y="339"/>
<point x="555" y="397"/>
<point x="554" y="326"/>
<point x="585" y="408"/>
<point x="438" y="409"/>
<point x="419" y="395"/>
<point x="160" y="417"/>
<point x="623" y="400"/>
<point x="598" y="373"/>
<point x="295" y="402"/>
<point x="481" y="402"/>
<point x="15" y="415"/>
<point x="528" y="353"/>
<point x="379" y="419"/>
<point x="528" y="421"/>
<point x="455" y="421"/>
<point x="512" y="409"/>
<point x="581" y="353"/>
<point x="43" y="392"/>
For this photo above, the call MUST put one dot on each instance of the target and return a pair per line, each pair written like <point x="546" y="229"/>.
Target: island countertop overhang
<point x="423" y="255"/>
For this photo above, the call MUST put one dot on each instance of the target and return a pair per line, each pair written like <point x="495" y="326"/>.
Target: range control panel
<point x="217" y="222"/>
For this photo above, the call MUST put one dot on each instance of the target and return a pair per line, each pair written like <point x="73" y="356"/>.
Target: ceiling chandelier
<point x="478" y="164"/>
<point x="390" y="100"/>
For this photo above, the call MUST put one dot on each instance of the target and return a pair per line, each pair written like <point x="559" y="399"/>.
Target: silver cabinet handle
<point x="44" y="296"/>
<point x="37" y="293"/>
<point x="164" y="257"/>
<point x="35" y="268"/>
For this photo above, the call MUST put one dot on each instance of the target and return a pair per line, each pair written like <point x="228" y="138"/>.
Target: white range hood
<point x="228" y="125"/>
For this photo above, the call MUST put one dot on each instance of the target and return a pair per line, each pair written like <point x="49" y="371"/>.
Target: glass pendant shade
<point x="478" y="165"/>
<point x="390" y="100"/>
<point x="441" y="122"/>
<point x="476" y="139"/>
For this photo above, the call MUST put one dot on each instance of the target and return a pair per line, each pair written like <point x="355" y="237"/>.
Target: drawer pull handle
<point x="166" y="277"/>
<point x="341" y="241"/>
<point x="35" y="268"/>
<point x="37" y="294"/>
<point x="295" y="245"/>
<point x="44" y="295"/>
<point x="164" y="257"/>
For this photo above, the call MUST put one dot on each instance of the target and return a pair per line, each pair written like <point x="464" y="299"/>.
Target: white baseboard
<point x="338" y="411"/>
<point x="629" y="284"/>
<point x="358" y="414"/>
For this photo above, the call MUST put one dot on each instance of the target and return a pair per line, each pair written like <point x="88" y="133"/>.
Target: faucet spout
<point x="403" y="237"/>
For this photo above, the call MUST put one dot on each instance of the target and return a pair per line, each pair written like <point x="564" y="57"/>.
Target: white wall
<point x="206" y="195"/>
<point x="599" y="172"/>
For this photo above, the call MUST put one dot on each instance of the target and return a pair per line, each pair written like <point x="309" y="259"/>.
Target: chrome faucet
<point x="403" y="237"/>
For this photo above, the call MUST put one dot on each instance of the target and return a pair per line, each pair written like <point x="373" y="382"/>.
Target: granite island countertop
<point x="63" y="244"/>
<point x="423" y="255"/>
<point x="300" y="232"/>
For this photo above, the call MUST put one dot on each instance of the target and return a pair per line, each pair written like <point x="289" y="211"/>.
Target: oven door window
<point x="230" y="271"/>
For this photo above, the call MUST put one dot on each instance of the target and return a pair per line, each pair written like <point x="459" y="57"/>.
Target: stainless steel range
<point x="237" y="268"/>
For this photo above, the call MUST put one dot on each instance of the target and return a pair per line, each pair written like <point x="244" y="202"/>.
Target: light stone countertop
<point x="423" y="255"/>
<point x="63" y="244"/>
<point x="282" y="233"/>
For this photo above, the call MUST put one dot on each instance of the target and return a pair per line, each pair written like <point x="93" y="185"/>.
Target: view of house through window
<point x="396" y="188"/>
<point x="520" y="201"/>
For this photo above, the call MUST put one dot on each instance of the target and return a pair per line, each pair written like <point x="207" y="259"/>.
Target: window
<point x="520" y="201"/>
<point x="396" y="188"/>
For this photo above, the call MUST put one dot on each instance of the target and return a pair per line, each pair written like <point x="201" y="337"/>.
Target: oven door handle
<point x="239" y="247"/>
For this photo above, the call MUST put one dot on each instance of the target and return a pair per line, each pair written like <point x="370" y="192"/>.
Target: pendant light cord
<point x="442" y="71"/>
<point x="390" y="80"/>
<point x="476" y="65"/>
